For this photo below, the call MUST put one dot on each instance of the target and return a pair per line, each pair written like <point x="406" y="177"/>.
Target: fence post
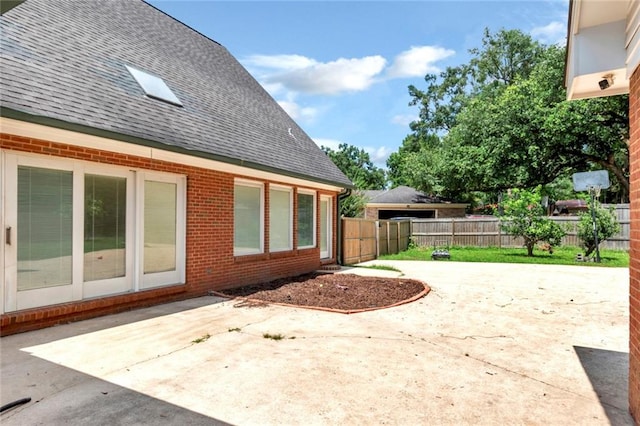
<point x="499" y="235"/>
<point x="359" y="241"/>
<point x="388" y="239"/>
<point x="377" y="239"/>
<point x="453" y="231"/>
<point x="398" y="236"/>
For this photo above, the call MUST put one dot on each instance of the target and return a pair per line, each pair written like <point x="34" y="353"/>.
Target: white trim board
<point x="38" y="131"/>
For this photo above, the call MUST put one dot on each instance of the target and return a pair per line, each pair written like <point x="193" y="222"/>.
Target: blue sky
<point x="341" y="68"/>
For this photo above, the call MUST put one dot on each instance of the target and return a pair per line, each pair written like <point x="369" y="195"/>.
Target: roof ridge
<point x="180" y="22"/>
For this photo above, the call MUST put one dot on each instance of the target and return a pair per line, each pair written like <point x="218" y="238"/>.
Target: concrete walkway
<point x="491" y="344"/>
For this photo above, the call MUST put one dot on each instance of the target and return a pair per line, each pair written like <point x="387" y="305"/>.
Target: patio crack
<point x="542" y="381"/>
<point x="182" y="348"/>
<point x="523" y="375"/>
<point x="475" y="336"/>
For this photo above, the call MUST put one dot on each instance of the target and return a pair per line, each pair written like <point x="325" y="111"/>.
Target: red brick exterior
<point x="634" y="267"/>
<point x="210" y="263"/>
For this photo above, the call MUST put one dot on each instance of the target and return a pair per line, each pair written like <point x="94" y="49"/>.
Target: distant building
<point x="404" y="201"/>
<point x="569" y="207"/>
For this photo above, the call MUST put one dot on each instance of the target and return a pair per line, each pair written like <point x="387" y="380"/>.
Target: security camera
<point x="606" y="82"/>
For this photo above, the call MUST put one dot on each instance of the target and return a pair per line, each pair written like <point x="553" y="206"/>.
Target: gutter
<point x="343" y="194"/>
<point x="569" y="39"/>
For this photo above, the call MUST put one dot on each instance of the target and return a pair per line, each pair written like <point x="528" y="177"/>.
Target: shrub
<point x="523" y="216"/>
<point x="608" y="226"/>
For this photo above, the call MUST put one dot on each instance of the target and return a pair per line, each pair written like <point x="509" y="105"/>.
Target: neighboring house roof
<point x="400" y="195"/>
<point x="63" y="64"/>
<point x="371" y="194"/>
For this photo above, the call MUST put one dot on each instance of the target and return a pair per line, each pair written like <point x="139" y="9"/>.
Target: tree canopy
<point x="356" y="164"/>
<point x="502" y="121"/>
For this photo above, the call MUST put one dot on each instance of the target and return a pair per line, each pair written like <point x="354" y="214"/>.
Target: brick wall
<point x="210" y="263"/>
<point x="634" y="267"/>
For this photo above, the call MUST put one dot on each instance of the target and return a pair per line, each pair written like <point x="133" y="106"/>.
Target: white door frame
<point x="326" y="254"/>
<point x="3" y="229"/>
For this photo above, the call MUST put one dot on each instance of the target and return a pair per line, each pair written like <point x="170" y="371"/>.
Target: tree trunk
<point x="590" y="249"/>
<point x="530" y="249"/>
<point x="617" y="171"/>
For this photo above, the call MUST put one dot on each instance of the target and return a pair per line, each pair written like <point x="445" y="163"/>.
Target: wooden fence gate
<point x="365" y="239"/>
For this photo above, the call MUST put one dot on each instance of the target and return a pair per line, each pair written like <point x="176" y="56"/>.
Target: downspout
<point x="341" y="196"/>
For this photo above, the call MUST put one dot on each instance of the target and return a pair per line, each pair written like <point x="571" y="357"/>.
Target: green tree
<point x="409" y="166"/>
<point x="353" y="205"/>
<point x="356" y="164"/>
<point x="525" y="217"/>
<point x="607" y="226"/>
<point x="505" y="57"/>
<point x="530" y="135"/>
<point x="504" y="122"/>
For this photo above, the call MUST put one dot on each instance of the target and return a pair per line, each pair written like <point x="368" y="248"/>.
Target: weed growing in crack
<point x="273" y="336"/>
<point x="204" y="338"/>
<point x="238" y="329"/>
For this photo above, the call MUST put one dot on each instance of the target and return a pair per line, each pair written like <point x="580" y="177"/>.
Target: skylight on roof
<point x="153" y="86"/>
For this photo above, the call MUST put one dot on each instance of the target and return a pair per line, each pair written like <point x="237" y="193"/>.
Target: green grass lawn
<point x="560" y="256"/>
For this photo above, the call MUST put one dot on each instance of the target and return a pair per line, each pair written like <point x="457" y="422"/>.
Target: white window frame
<point x="178" y="275"/>
<point x="254" y="184"/>
<point x="288" y="190"/>
<point x="314" y="220"/>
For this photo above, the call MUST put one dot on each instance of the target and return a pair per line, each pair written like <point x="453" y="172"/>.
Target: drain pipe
<point x="341" y="196"/>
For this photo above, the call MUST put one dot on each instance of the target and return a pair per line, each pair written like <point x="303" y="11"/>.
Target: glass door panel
<point x="44" y="228"/>
<point x="325" y="228"/>
<point x="160" y="204"/>
<point x="105" y="220"/>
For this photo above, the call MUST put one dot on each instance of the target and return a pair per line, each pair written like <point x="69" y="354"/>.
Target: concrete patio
<point x="491" y="344"/>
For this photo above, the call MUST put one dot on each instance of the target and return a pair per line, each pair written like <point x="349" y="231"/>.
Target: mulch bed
<point x="337" y="292"/>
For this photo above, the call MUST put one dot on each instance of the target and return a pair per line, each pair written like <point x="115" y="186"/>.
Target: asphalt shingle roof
<point x="66" y="60"/>
<point x="400" y="195"/>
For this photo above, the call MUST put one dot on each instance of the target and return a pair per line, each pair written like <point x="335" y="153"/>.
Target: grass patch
<point x="201" y="339"/>
<point x="381" y="267"/>
<point x="560" y="256"/>
<point x="273" y="336"/>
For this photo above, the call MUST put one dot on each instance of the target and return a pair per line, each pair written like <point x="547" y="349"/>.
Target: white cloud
<point x="404" y="120"/>
<point x="552" y="33"/>
<point x="281" y="62"/>
<point x="330" y="78"/>
<point x="299" y="74"/>
<point x="297" y="112"/>
<point x="377" y="155"/>
<point x="329" y="143"/>
<point x="418" y="61"/>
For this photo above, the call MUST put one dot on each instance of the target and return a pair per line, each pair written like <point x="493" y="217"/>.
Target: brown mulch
<point x="342" y="292"/>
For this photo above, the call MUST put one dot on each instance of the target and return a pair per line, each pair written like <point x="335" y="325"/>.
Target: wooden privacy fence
<point x="365" y="239"/>
<point x="486" y="232"/>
